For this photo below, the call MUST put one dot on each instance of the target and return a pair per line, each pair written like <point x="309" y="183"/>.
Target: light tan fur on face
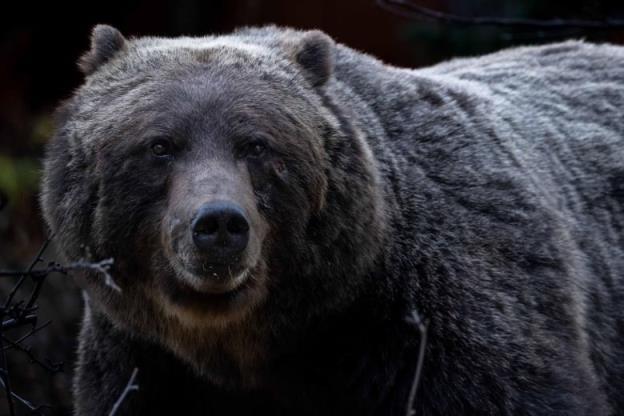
<point x="239" y="337"/>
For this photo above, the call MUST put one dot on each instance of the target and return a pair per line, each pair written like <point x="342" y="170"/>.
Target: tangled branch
<point x="17" y="315"/>
<point x="102" y="267"/>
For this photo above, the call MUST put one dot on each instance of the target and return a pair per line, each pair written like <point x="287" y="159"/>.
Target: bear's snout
<point x="220" y="231"/>
<point x="212" y="233"/>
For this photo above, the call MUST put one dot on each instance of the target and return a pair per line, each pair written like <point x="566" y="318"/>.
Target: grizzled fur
<point x="486" y="193"/>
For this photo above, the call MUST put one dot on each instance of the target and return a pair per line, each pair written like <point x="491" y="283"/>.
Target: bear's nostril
<point x="209" y="225"/>
<point x="237" y="225"/>
<point x="220" y="230"/>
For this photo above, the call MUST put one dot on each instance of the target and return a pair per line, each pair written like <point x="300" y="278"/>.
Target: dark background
<point x="40" y="43"/>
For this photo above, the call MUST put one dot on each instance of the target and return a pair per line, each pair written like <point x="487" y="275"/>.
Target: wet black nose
<point x="220" y="230"/>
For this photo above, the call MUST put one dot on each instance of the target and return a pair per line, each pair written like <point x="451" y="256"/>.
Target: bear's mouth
<point x="216" y="296"/>
<point x="209" y="278"/>
<point x="182" y="292"/>
<point x="219" y="280"/>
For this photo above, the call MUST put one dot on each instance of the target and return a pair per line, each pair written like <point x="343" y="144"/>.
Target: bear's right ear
<point x="106" y="42"/>
<point x="314" y="52"/>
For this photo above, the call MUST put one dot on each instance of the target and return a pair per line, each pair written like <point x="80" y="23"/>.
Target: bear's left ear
<point x="106" y="42"/>
<point x="314" y="52"/>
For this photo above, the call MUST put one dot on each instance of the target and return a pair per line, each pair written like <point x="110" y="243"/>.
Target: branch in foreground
<point x="6" y="380"/>
<point x="102" y="267"/>
<point x="34" y="410"/>
<point x="130" y="387"/>
<point x="23" y="276"/>
<point x="30" y="333"/>
<point x="15" y="315"/>
<point x="48" y="365"/>
<point x="412" y="10"/>
<point x="20" y="315"/>
<point x="422" y="326"/>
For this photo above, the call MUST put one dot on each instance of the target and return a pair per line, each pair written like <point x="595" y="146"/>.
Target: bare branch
<point x="23" y="313"/>
<point x="30" y="333"/>
<point x="130" y="387"/>
<point x="20" y="317"/>
<point x="422" y="327"/>
<point x="102" y="267"/>
<point x="18" y="322"/>
<point x="49" y="366"/>
<point x="410" y="9"/>
<point x="20" y="282"/>
<point x="33" y="409"/>
<point x="5" y="379"/>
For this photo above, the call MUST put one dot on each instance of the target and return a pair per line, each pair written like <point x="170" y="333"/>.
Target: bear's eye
<point x="162" y="147"/>
<point x="254" y="149"/>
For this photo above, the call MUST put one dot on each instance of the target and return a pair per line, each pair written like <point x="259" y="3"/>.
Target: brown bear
<point x="276" y="205"/>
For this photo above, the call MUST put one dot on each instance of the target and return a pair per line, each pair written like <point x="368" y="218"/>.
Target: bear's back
<point x="517" y="156"/>
<point x="548" y="119"/>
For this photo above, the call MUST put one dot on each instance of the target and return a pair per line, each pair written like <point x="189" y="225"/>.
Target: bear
<point x="278" y="205"/>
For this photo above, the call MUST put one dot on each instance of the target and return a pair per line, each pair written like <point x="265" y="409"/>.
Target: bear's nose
<point x="220" y="230"/>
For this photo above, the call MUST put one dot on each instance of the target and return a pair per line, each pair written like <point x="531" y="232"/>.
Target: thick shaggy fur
<point x="485" y="193"/>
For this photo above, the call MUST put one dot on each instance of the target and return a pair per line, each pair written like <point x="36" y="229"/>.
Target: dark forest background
<point x="40" y="43"/>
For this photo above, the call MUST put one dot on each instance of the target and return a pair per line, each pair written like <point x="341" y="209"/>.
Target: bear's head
<point x="217" y="174"/>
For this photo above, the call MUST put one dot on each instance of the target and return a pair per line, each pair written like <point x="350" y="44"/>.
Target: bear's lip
<point x="212" y="286"/>
<point x="215" y="282"/>
<point x="213" y="300"/>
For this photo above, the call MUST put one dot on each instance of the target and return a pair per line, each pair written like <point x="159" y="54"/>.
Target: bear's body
<point x="487" y="194"/>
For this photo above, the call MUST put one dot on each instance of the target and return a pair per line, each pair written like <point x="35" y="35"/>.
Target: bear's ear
<point x="106" y="42"/>
<point x="315" y="53"/>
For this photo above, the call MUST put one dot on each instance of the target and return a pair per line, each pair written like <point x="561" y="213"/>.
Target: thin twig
<point x="410" y="9"/>
<point x="102" y="267"/>
<point x="131" y="386"/>
<point x="36" y="260"/>
<point x="4" y="377"/>
<point x="422" y="327"/>
<point x="15" y="396"/>
<point x="53" y="368"/>
<point x="30" y="333"/>
<point x="18" y="322"/>
<point x="33" y="409"/>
